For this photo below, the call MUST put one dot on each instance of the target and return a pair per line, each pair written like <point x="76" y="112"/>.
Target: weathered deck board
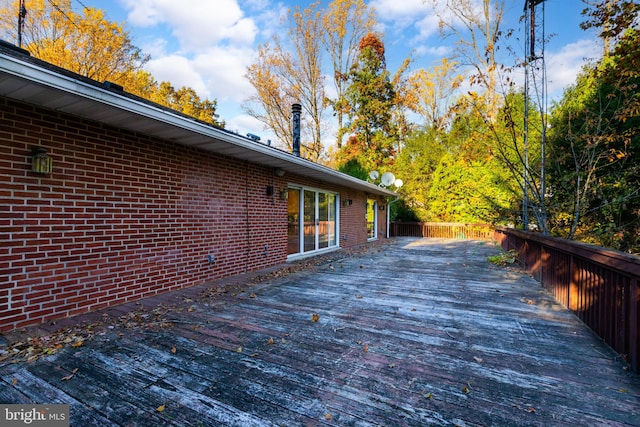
<point x="420" y="332"/>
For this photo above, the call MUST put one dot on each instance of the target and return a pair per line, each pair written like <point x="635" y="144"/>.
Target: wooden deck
<point x="415" y="333"/>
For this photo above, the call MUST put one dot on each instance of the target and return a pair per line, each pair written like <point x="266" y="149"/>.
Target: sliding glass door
<point x="313" y="221"/>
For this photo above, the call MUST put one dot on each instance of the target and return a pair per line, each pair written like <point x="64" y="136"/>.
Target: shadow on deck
<point x="418" y="332"/>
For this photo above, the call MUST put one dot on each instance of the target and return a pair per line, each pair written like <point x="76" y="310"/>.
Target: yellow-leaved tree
<point x="89" y="44"/>
<point x="292" y="73"/>
<point x="430" y="92"/>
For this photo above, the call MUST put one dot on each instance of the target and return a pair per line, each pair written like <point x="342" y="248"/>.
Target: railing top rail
<point x="449" y="224"/>
<point x="620" y="261"/>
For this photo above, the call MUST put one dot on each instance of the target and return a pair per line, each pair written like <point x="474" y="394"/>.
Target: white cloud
<point x="414" y="20"/>
<point x="243" y="123"/>
<point x="223" y="70"/>
<point x="393" y="9"/>
<point x="195" y="24"/>
<point x="143" y="13"/>
<point x="217" y="73"/>
<point x="427" y="27"/>
<point x="179" y="71"/>
<point x="563" y="66"/>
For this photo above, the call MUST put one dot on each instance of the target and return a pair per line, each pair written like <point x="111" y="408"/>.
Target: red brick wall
<point x="124" y="216"/>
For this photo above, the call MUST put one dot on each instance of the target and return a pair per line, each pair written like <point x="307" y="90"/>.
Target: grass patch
<point x="504" y="258"/>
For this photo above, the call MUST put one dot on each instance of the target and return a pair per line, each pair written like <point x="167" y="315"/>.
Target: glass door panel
<point x="332" y="229"/>
<point x="323" y="220"/>
<point x="310" y="224"/>
<point x="372" y="218"/>
<point x="293" y="221"/>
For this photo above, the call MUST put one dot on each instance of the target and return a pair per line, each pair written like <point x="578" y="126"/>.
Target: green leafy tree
<point x="421" y="155"/>
<point x="471" y="182"/>
<point x="595" y="143"/>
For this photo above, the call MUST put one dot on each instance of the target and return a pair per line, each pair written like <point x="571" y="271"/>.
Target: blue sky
<point x="207" y="44"/>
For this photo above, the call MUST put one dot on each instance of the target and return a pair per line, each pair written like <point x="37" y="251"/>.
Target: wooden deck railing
<point x="599" y="285"/>
<point x="445" y="230"/>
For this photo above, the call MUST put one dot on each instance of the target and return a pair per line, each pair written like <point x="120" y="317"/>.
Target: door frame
<point x="333" y="240"/>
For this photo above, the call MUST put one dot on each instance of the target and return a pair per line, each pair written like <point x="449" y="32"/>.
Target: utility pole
<point x="22" y="13"/>
<point x="535" y="93"/>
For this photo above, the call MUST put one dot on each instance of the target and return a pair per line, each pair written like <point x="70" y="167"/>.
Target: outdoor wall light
<point x="41" y="163"/>
<point x="279" y="172"/>
<point x="347" y="202"/>
<point x="284" y="193"/>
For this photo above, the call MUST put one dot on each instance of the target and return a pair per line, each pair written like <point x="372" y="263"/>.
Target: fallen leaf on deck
<point x="465" y="390"/>
<point x="160" y="408"/>
<point x="239" y="350"/>
<point x="428" y="396"/>
<point x="477" y="359"/>
<point x="315" y="317"/>
<point x="271" y="341"/>
<point x="328" y="416"/>
<point x="252" y="295"/>
<point x="174" y="350"/>
<point x="68" y="377"/>
<point x="531" y="410"/>
<point x="14" y="381"/>
<point x="365" y="348"/>
<point x="77" y="344"/>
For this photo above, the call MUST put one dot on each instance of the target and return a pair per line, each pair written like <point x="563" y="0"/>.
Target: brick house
<point x="107" y="198"/>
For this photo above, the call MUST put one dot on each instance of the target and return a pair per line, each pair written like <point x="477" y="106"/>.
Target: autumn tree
<point x="370" y="100"/>
<point x="345" y="23"/>
<point x="283" y="75"/>
<point x="92" y="46"/>
<point x="476" y="28"/>
<point x="431" y="93"/>
<point x="611" y="18"/>
<point x="87" y="44"/>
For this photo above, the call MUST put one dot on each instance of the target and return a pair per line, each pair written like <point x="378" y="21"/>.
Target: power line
<point x="55" y="6"/>
<point x="82" y="4"/>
